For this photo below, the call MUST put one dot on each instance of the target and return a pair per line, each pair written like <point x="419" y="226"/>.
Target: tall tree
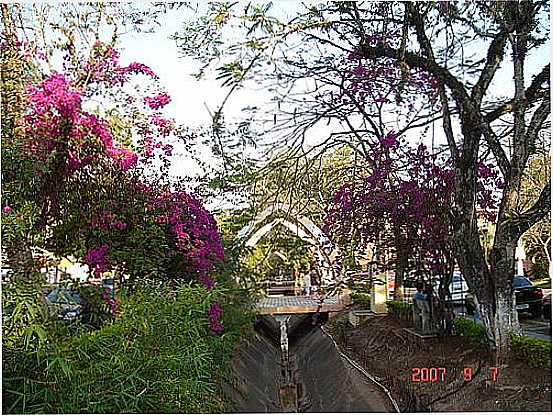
<point x="316" y="51"/>
<point x="500" y="28"/>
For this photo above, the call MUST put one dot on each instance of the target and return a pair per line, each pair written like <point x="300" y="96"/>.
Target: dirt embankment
<point x="386" y="350"/>
<point x="326" y="383"/>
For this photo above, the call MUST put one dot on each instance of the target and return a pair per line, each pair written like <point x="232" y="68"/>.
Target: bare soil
<point x="386" y="350"/>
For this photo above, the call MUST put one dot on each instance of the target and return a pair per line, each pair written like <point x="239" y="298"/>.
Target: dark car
<point x="64" y="303"/>
<point x="528" y="298"/>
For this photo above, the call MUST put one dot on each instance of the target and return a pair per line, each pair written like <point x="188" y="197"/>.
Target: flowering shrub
<point x="388" y="205"/>
<point x="195" y="238"/>
<point x="405" y="208"/>
<point x="118" y="211"/>
<point x="57" y="126"/>
<point x="103" y="66"/>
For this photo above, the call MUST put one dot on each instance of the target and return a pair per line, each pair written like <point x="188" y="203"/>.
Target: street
<point x="538" y="328"/>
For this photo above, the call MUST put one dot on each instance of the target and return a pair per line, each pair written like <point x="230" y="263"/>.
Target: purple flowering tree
<point x="90" y="190"/>
<point x="473" y="123"/>
<point x="338" y="49"/>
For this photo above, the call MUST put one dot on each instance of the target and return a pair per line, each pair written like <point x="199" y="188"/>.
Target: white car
<point x="458" y="288"/>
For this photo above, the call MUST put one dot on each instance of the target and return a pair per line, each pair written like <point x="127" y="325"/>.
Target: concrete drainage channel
<point x="292" y="365"/>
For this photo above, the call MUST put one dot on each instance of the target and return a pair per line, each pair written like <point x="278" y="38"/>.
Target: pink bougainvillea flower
<point x="208" y="282"/>
<point x="125" y="157"/>
<point x="215" y="313"/>
<point x="139" y="68"/>
<point x="157" y="101"/>
<point x="389" y="140"/>
<point x="165" y="126"/>
<point x="382" y="100"/>
<point x="97" y="259"/>
<point x="7" y="210"/>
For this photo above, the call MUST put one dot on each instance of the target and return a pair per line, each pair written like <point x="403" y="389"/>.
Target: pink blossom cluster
<point x="7" y="209"/>
<point x="108" y="221"/>
<point x="124" y="157"/>
<point x="164" y="125"/>
<point x="139" y="68"/>
<point x="383" y="80"/>
<point x="55" y="97"/>
<point x="215" y="312"/>
<point x="194" y="229"/>
<point x="157" y="101"/>
<point x="103" y="66"/>
<point x="487" y="197"/>
<point x="57" y="122"/>
<point x="97" y="259"/>
<point x="416" y="202"/>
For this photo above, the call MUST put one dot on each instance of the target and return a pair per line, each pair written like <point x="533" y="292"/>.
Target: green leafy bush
<point x="159" y="356"/>
<point x="398" y="307"/>
<point x="474" y="333"/>
<point x="363" y="299"/>
<point x="95" y="312"/>
<point x="535" y="352"/>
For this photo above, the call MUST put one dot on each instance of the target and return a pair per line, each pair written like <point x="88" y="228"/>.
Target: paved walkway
<point x="537" y="328"/>
<point x="298" y="305"/>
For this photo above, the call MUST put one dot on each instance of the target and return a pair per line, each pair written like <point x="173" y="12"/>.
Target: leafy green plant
<point x="399" y="307"/>
<point x="474" y="333"/>
<point x="95" y="311"/>
<point x="363" y="299"/>
<point x="535" y="352"/>
<point x="158" y="356"/>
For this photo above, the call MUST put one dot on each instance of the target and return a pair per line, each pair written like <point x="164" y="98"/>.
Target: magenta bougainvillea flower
<point x="56" y="113"/>
<point x="416" y="200"/>
<point x="140" y="68"/>
<point x="97" y="259"/>
<point x="215" y="313"/>
<point x="57" y="127"/>
<point x="157" y="101"/>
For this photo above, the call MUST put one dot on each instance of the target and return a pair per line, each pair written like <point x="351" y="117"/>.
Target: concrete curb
<point x="363" y="371"/>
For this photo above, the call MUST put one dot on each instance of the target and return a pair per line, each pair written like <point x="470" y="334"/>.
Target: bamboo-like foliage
<point x="158" y="357"/>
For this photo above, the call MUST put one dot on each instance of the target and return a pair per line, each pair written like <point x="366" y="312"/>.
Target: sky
<point x="191" y="98"/>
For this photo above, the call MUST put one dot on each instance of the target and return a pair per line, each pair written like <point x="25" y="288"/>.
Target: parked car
<point x="65" y="303"/>
<point x="528" y="298"/>
<point x="458" y="288"/>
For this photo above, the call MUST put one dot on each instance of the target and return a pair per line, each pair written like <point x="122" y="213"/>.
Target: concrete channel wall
<point x="316" y="378"/>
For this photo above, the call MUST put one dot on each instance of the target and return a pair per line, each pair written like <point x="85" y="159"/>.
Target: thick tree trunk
<point x="501" y="320"/>
<point x="493" y="289"/>
<point x="401" y="270"/>
<point x="402" y="263"/>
